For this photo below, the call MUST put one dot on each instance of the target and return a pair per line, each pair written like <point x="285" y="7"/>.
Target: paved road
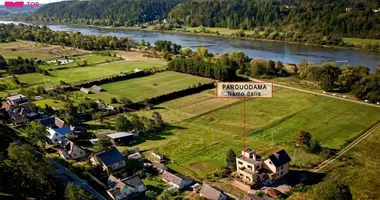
<point x="347" y="148"/>
<point x="76" y="180"/>
<point x="317" y="93"/>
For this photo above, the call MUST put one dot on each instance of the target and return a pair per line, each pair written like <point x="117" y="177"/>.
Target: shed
<point x="84" y="90"/>
<point x="97" y="88"/>
<point x="122" y="138"/>
<point x="212" y="193"/>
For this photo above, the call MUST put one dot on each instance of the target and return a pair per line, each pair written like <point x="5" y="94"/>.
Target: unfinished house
<point x="252" y="168"/>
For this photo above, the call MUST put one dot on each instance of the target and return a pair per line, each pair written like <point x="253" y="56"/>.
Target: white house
<point x="125" y="188"/>
<point x="70" y="150"/>
<point x="178" y="181"/>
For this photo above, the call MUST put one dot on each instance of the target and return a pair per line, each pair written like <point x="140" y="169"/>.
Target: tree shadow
<point x="296" y="177"/>
<point x="98" y="126"/>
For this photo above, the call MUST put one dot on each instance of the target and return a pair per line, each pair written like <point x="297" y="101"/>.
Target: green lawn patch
<point x="8" y="82"/>
<point x="138" y="89"/>
<point x="83" y="74"/>
<point x="360" y="41"/>
<point x="56" y="104"/>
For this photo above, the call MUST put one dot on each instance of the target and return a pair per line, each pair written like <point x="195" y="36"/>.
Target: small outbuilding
<point x="84" y="90"/>
<point x="122" y="138"/>
<point x="211" y="193"/>
<point x="97" y="88"/>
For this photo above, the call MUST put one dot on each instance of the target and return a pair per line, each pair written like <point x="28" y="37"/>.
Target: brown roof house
<point x="125" y="188"/>
<point x="179" y="181"/>
<point x="70" y="150"/>
<point x="110" y="159"/>
<point x="252" y="168"/>
<point x="212" y="193"/>
<point x="252" y="197"/>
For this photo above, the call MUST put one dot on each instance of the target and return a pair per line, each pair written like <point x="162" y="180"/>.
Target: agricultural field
<point x="83" y="74"/>
<point x="197" y="145"/>
<point x="357" y="169"/>
<point x="27" y="49"/>
<point x="138" y="89"/>
<point x="91" y="59"/>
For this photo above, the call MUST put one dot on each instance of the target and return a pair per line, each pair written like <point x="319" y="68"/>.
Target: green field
<point x="56" y="104"/>
<point x="198" y="145"/>
<point x="357" y="169"/>
<point x="91" y="59"/>
<point x="359" y="41"/>
<point x="82" y="74"/>
<point x="138" y="89"/>
<point x="8" y="82"/>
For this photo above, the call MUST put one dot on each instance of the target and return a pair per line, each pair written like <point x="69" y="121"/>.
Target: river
<point x="285" y="52"/>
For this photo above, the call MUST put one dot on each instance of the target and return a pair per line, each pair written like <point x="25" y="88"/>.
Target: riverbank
<point x="227" y="33"/>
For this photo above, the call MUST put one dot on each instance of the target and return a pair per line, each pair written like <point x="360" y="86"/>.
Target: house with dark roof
<point x="125" y="188"/>
<point x="252" y="168"/>
<point x="17" y="99"/>
<point x="211" y="193"/>
<point x="122" y="138"/>
<point x="110" y="159"/>
<point x="19" y="114"/>
<point x="177" y="180"/>
<point x="159" y="166"/>
<point x="57" y="128"/>
<point x="70" y="150"/>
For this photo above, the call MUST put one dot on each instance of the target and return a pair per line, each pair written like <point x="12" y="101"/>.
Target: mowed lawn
<point x="357" y="41"/>
<point x="138" y="89"/>
<point x="82" y="74"/>
<point x="198" y="145"/>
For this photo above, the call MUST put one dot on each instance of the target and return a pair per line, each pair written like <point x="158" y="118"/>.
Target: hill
<point x="105" y="12"/>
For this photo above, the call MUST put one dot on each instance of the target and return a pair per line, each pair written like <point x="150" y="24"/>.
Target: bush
<point x="151" y="194"/>
<point x="315" y="147"/>
<point x="114" y="100"/>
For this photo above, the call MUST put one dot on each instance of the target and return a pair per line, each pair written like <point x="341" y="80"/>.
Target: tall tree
<point x="231" y="158"/>
<point x="123" y="124"/>
<point x="303" y="138"/>
<point x="73" y="192"/>
<point x="36" y="132"/>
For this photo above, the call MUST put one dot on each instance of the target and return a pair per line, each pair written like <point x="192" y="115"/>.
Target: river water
<point x="285" y="52"/>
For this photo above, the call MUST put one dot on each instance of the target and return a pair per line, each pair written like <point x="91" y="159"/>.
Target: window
<point x="240" y="163"/>
<point x="281" y="173"/>
<point x="270" y="162"/>
<point x="249" y="166"/>
<point x="282" y="167"/>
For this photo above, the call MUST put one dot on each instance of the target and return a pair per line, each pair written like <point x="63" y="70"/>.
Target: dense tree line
<point x="10" y="32"/>
<point x="216" y="70"/>
<point x="167" y="46"/>
<point x="107" y="13"/>
<point x="326" y="17"/>
<point x="24" y="172"/>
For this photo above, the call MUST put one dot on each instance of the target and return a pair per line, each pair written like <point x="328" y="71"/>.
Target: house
<point x="159" y="166"/>
<point x="252" y="197"/>
<point x="110" y="159"/>
<point x="196" y="187"/>
<point x="57" y="128"/>
<point x="179" y="181"/>
<point x="125" y="188"/>
<point x="70" y="150"/>
<point x="252" y="168"/>
<point x="137" y="70"/>
<point x="212" y="193"/>
<point x="19" y="114"/>
<point x="134" y="156"/>
<point x="158" y="156"/>
<point x="84" y="90"/>
<point x="122" y="138"/>
<point x="18" y="120"/>
<point x="17" y="99"/>
<point x="97" y="88"/>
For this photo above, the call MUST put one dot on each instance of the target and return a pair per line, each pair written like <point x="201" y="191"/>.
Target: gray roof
<point x="159" y="165"/>
<point x="175" y="179"/>
<point x="16" y="97"/>
<point x="279" y="158"/>
<point x="84" y="90"/>
<point x="119" y="135"/>
<point x="210" y="192"/>
<point x="97" y="88"/>
<point x="133" y="181"/>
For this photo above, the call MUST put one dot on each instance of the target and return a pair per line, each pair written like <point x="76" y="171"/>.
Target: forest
<point x="318" y="18"/>
<point x="108" y="13"/>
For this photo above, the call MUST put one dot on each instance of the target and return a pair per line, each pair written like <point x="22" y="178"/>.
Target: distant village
<point x="119" y="183"/>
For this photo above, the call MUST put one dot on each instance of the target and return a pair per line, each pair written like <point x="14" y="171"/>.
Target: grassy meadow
<point x="56" y="104"/>
<point x="197" y="145"/>
<point x="91" y="59"/>
<point x="27" y="49"/>
<point x="82" y="74"/>
<point x="138" y="89"/>
<point x="357" y="169"/>
<point x="360" y="41"/>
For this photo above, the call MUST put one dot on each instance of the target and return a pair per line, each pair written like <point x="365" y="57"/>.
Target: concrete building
<point x="252" y="168"/>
